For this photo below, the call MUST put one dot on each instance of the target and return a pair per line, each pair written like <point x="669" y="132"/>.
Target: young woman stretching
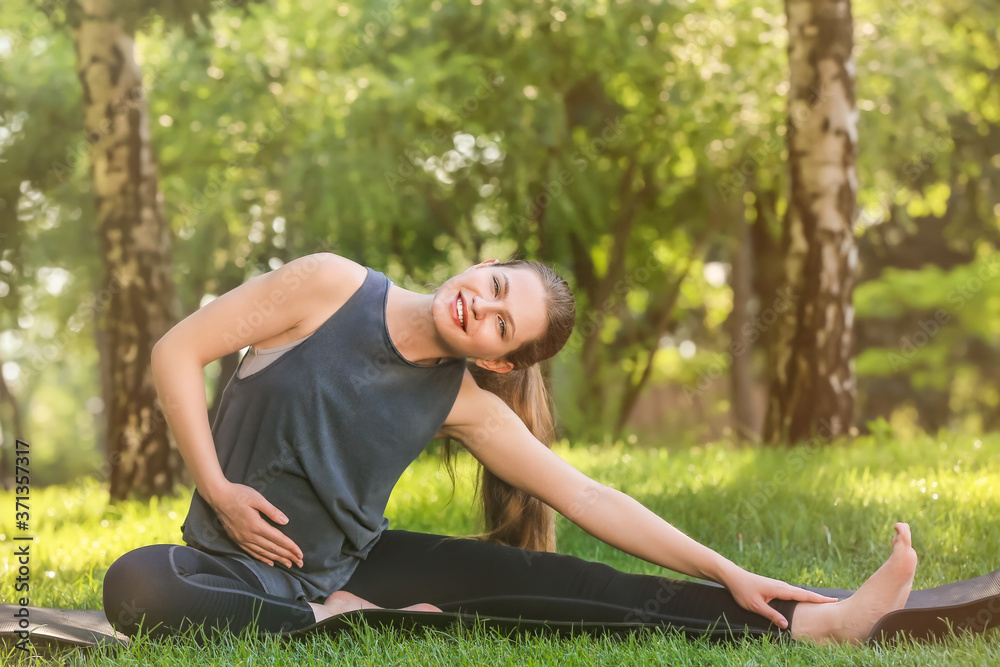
<point x="347" y="380"/>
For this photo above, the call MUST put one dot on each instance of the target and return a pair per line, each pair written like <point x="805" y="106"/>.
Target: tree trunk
<point x="104" y="366"/>
<point x="135" y="249"/>
<point x="743" y="408"/>
<point x="812" y="392"/>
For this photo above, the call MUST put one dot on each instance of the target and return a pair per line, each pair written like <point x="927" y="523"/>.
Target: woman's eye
<point x="496" y="292"/>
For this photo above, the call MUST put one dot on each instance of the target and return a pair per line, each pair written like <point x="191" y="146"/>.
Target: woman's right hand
<point x="240" y="508"/>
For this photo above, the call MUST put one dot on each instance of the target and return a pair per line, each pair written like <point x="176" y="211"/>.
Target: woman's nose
<point x="482" y="307"/>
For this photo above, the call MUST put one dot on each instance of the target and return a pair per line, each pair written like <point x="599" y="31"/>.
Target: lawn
<point x="819" y="517"/>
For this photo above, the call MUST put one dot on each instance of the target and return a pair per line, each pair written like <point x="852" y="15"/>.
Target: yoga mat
<point x="970" y="605"/>
<point x="48" y="628"/>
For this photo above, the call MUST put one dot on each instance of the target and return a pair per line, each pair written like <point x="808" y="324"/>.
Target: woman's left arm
<point x="494" y="434"/>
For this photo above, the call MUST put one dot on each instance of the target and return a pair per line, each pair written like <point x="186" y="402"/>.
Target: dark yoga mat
<point x="57" y="627"/>
<point x="970" y="605"/>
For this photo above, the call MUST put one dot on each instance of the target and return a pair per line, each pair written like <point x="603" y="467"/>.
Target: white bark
<point x="135" y="248"/>
<point x="814" y="379"/>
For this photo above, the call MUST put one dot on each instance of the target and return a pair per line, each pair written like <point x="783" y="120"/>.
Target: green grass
<point x="818" y="517"/>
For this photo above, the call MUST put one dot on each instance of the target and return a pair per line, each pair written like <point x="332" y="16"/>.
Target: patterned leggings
<point x="170" y="587"/>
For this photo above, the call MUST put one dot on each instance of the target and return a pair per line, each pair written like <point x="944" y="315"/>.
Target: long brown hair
<point x="511" y="516"/>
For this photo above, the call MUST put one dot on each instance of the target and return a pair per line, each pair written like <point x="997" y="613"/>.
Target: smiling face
<point x="488" y="311"/>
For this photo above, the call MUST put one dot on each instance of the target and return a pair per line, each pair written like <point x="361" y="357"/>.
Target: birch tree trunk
<point x="137" y="294"/>
<point x="812" y="391"/>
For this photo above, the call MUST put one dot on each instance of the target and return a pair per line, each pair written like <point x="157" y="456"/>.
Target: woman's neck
<point x="410" y="321"/>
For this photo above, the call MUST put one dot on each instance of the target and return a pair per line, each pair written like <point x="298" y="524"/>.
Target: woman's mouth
<point x="460" y="311"/>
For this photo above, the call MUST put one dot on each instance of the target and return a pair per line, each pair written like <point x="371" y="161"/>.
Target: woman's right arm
<point x="497" y="437"/>
<point x="257" y="310"/>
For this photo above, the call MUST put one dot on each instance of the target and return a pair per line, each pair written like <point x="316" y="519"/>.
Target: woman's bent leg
<point x="404" y="568"/>
<point x="166" y="588"/>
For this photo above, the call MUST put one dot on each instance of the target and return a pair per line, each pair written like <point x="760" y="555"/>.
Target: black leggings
<point x="173" y="587"/>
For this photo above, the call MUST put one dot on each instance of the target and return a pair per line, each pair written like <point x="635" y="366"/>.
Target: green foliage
<point x="945" y="310"/>
<point x="819" y="516"/>
<point x="419" y="139"/>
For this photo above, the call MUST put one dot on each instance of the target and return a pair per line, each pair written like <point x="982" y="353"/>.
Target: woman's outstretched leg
<point x="472" y="576"/>
<point x="491" y="579"/>
<point x="852" y="620"/>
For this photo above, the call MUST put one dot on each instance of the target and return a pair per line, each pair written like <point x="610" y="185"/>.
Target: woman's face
<point x="488" y="311"/>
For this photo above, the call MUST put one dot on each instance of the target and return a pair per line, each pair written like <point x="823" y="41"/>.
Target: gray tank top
<point x="324" y="432"/>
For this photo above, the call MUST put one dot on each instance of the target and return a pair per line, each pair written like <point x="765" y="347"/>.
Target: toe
<point x="902" y="537"/>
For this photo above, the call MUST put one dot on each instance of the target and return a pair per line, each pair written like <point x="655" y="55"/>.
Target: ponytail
<point x="511" y="516"/>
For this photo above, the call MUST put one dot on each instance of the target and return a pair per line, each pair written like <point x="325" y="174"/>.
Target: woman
<point x="349" y="377"/>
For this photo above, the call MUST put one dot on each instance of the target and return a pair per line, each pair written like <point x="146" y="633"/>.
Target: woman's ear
<point x="496" y="365"/>
<point x="486" y="262"/>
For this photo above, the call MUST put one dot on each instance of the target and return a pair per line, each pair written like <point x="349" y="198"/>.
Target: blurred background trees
<point x="640" y="148"/>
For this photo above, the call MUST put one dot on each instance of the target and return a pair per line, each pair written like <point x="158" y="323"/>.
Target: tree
<point x="135" y="248"/>
<point x="134" y="236"/>
<point x="813" y="387"/>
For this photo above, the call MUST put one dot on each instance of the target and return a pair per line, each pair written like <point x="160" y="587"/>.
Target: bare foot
<point x="852" y="620"/>
<point x="342" y="601"/>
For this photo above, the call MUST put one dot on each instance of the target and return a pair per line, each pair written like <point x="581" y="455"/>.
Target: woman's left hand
<point x="753" y="592"/>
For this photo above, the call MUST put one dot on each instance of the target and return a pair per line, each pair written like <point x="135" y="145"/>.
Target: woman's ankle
<point x="816" y="623"/>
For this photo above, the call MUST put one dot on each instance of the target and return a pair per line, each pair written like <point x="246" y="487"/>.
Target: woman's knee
<point x="135" y="583"/>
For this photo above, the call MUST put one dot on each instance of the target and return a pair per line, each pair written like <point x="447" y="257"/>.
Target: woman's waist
<point x="326" y="539"/>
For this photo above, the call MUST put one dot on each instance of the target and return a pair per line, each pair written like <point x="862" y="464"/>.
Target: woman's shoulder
<point x="329" y="280"/>
<point x="335" y="271"/>
<point x="269" y="310"/>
